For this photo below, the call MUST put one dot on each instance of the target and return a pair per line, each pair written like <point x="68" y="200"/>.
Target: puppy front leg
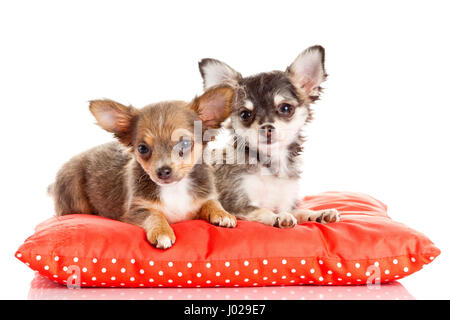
<point x="159" y="232"/>
<point x="213" y="212"/>
<point x="320" y="216"/>
<point x="268" y="217"/>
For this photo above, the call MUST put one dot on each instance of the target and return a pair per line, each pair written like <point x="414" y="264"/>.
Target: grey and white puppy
<point x="258" y="171"/>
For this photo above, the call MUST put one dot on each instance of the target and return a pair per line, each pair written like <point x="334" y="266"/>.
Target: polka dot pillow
<point x="365" y="247"/>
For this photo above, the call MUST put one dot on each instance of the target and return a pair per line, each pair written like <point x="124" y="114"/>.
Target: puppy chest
<point x="267" y="191"/>
<point x="178" y="203"/>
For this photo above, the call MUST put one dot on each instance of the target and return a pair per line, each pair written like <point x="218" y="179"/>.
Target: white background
<point x="381" y="127"/>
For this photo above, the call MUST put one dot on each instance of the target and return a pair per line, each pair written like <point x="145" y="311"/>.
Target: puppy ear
<point x="215" y="72"/>
<point x="114" y="117"/>
<point x="307" y="71"/>
<point x="214" y="106"/>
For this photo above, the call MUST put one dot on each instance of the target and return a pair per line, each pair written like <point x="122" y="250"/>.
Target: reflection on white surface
<point x="45" y="289"/>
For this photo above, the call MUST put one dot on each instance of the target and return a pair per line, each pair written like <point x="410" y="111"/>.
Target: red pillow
<point x="366" y="246"/>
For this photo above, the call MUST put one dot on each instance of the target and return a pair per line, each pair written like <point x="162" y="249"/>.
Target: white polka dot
<point x="151" y="263"/>
<point x="431" y="258"/>
<point x="189" y="265"/>
<point x="265" y="278"/>
<point x="170" y="264"/>
<point x="283" y="261"/>
<point x="320" y="278"/>
<point x="19" y="255"/>
<point x="208" y="281"/>
<point x="199" y="275"/>
<point x="113" y="278"/>
<point x="330" y="272"/>
<point x="75" y="259"/>
<point x="123" y="270"/>
<point x="405" y="269"/>
<point x="367" y="273"/>
<point x="339" y="265"/>
<point x="160" y="273"/>
<point x="320" y="262"/>
<point x="236" y="272"/>
<point x="274" y="270"/>
<point x="349" y="274"/>
<point x="246" y="263"/>
<point x="38" y="257"/>
<point x="180" y="274"/>
<point x="208" y="265"/>
<point x="413" y="259"/>
<point x="255" y="271"/>
<point x="141" y="271"/>
<point x="303" y="277"/>
<point x="227" y="264"/>
<point x="113" y="260"/>
<point x="312" y="270"/>
<point x="46" y="267"/>
<point x="265" y="261"/>
<point x="376" y="264"/>
<point x="84" y="269"/>
<point x="56" y="258"/>
<point x="65" y="268"/>
<point x="218" y="274"/>
<point x="132" y="279"/>
<point x="395" y="261"/>
<point x="150" y="280"/>
<point x="386" y="271"/>
<point x="93" y="278"/>
<point x="303" y="262"/>
<point x="227" y="281"/>
<point x="293" y="270"/>
<point x="103" y="270"/>
<point x="170" y="281"/>
<point x="133" y="261"/>
<point x="94" y="260"/>
<point x="357" y="265"/>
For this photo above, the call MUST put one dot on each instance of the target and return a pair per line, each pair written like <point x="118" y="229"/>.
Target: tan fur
<point x="117" y="181"/>
<point x="213" y="212"/>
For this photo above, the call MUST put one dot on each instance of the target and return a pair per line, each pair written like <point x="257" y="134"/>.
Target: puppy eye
<point x="185" y="144"/>
<point x="245" y="115"/>
<point x="184" y="147"/>
<point x="143" y="149"/>
<point x="285" y="109"/>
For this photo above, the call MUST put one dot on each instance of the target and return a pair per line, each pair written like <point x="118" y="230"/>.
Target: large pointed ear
<point x="215" y="72"/>
<point x="115" y="118"/>
<point x="214" y="106"/>
<point x="307" y="71"/>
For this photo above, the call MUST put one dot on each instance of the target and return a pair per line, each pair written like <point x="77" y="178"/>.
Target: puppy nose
<point x="164" y="173"/>
<point x="267" y="130"/>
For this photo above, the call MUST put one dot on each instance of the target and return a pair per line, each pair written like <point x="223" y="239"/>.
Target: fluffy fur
<point x="153" y="175"/>
<point x="258" y="171"/>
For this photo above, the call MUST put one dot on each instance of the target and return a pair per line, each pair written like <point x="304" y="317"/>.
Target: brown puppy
<point x="154" y="175"/>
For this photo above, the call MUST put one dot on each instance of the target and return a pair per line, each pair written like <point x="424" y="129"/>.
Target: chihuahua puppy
<point x="259" y="180"/>
<point x="153" y="175"/>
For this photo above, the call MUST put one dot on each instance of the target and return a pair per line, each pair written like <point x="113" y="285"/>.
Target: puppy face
<point x="165" y="138"/>
<point x="271" y="107"/>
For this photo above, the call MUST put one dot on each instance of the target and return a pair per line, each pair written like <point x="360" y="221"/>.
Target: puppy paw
<point x="325" y="216"/>
<point x="162" y="238"/>
<point x="222" y="218"/>
<point x="285" y="220"/>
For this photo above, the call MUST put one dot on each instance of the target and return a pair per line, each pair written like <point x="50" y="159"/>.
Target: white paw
<point x="163" y="242"/>
<point x="224" y="220"/>
<point x="325" y="216"/>
<point x="285" y="220"/>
